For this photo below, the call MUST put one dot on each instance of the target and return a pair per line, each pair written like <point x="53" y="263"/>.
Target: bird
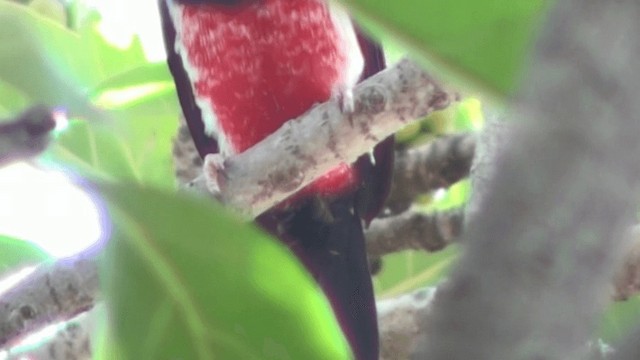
<point x="242" y="69"/>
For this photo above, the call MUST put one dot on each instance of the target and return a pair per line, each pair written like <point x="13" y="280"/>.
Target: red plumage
<point x="252" y="69"/>
<point x="242" y="69"/>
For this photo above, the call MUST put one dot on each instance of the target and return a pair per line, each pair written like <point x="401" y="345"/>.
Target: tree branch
<point x="71" y="341"/>
<point x="26" y="135"/>
<point x="400" y="322"/>
<point x="307" y="147"/>
<point x="413" y="230"/>
<point x="438" y="164"/>
<point x="54" y="292"/>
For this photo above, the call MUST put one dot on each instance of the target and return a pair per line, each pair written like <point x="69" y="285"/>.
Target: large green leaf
<point x="18" y="253"/>
<point x="484" y="42"/>
<point x="184" y="280"/>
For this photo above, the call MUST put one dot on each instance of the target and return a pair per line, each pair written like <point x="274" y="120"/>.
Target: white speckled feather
<point x="237" y="67"/>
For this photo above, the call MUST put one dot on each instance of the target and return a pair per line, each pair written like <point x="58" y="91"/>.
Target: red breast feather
<point x="257" y="65"/>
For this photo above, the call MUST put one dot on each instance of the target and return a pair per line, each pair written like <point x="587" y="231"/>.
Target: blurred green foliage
<point x="482" y="44"/>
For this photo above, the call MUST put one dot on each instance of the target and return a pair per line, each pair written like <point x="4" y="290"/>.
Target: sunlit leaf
<point x="469" y="115"/>
<point x="184" y="280"/>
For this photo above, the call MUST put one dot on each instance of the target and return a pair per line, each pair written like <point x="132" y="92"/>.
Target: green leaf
<point x="127" y="138"/>
<point x="146" y="73"/>
<point x="135" y="145"/>
<point x="103" y="345"/>
<point x="43" y="74"/>
<point x="454" y="197"/>
<point x="485" y="43"/>
<point x="185" y="280"/>
<point x="469" y="115"/>
<point x="19" y="253"/>
<point x="104" y="59"/>
<point x="12" y="100"/>
<point x="95" y="150"/>
<point x="77" y="13"/>
<point x="53" y="9"/>
<point x="58" y="66"/>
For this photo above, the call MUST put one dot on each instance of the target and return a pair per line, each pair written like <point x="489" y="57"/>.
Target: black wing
<point x="376" y="177"/>
<point x="191" y="111"/>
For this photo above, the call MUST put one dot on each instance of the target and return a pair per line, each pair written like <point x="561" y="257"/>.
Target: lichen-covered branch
<point x="307" y="147"/>
<point x="54" y="292"/>
<point x="413" y="230"/>
<point x="438" y="164"/>
<point x="71" y="340"/>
